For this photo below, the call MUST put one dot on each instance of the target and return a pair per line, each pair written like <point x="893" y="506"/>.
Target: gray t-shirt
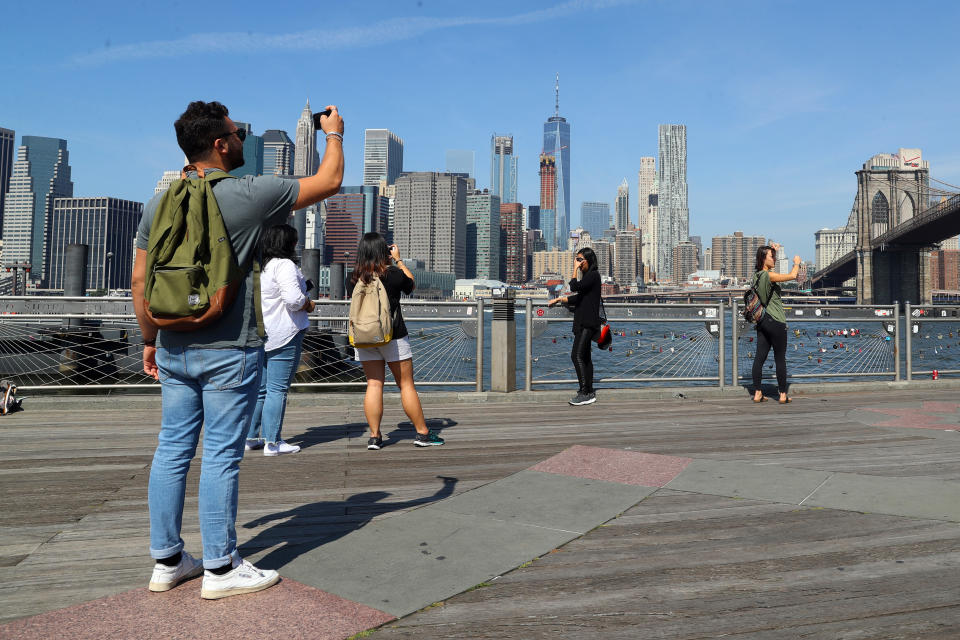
<point x="249" y="205"/>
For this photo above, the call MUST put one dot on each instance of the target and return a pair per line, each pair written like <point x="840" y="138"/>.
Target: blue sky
<point x="783" y="101"/>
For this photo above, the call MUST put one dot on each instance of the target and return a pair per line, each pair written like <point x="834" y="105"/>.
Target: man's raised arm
<point x="329" y="176"/>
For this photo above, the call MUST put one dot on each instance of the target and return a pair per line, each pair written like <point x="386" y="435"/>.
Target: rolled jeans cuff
<point x="159" y="554"/>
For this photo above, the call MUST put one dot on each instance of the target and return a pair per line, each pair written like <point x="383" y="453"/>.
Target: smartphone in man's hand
<point x="316" y="117"/>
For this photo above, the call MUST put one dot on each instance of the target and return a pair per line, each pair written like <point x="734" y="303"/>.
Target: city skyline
<point x="781" y="107"/>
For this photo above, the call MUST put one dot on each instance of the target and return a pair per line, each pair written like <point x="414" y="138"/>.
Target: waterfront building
<point x="686" y="257"/>
<point x="430" y="220"/>
<point x="605" y="251"/>
<point x="252" y="153"/>
<point x="165" y="181"/>
<point x="735" y="256"/>
<point x="553" y="262"/>
<point x="622" y="207"/>
<point x="513" y="241"/>
<point x="556" y="143"/>
<point x="461" y="161"/>
<point x="503" y="168"/>
<point x="382" y="156"/>
<point x="40" y="174"/>
<point x="595" y="217"/>
<point x="697" y="240"/>
<point x="531" y="217"/>
<point x="278" y="153"/>
<point x="548" y="200"/>
<point x="107" y="226"/>
<point x="7" y="146"/>
<point x="833" y="244"/>
<point x="483" y="236"/>
<point x="533" y="242"/>
<point x="351" y="213"/>
<point x="389" y="191"/>
<point x="313" y="227"/>
<point x="646" y="181"/>
<point x="305" y="156"/>
<point x="628" y="258"/>
<point x="673" y="216"/>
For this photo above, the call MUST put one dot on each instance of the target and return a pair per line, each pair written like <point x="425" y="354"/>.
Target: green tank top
<point x="770" y="295"/>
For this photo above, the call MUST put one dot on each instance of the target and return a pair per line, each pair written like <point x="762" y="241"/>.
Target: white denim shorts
<point x="393" y="351"/>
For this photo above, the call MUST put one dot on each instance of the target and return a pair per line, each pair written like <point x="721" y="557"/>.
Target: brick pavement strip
<point x="677" y="564"/>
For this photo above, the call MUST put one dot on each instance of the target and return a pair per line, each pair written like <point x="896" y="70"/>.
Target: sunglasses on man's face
<point x="241" y="133"/>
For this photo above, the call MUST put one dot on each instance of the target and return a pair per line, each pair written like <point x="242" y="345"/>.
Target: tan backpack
<point x="370" y="323"/>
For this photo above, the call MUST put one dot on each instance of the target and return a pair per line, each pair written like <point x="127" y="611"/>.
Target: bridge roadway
<point x="643" y="516"/>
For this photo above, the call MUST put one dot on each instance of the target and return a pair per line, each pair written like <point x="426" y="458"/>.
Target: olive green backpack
<point x="192" y="274"/>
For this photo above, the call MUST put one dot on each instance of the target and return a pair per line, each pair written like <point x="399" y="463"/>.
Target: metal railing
<point x="916" y="319"/>
<point x="95" y="343"/>
<point x="852" y="354"/>
<point x="685" y="360"/>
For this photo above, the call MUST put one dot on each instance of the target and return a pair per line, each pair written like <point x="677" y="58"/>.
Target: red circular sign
<point x="539" y="312"/>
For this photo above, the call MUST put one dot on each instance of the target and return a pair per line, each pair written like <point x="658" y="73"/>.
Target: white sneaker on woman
<point x="279" y="448"/>
<point x="243" y="578"/>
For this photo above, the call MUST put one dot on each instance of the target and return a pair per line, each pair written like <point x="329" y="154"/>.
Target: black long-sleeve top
<point x="587" y="313"/>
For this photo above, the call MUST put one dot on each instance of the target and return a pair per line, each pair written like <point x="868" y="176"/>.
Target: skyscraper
<point x="673" y="216"/>
<point x="532" y="215"/>
<point x="628" y="259"/>
<point x="461" y="161"/>
<point x="686" y="260"/>
<point x="351" y="213"/>
<point x="503" y="168"/>
<point x="165" y="181"/>
<point x="483" y="236"/>
<point x="278" y="151"/>
<point x="514" y="243"/>
<point x="305" y="158"/>
<point x="7" y="138"/>
<point x="646" y="206"/>
<point x="735" y="255"/>
<point x="107" y="226"/>
<point x="430" y="220"/>
<point x="382" y="157"/>
<point x="622" y="219"/>
<point x="40" y="174"/>
<point x="252" y="153"/>
<point x="548" y="201"/>
<point x="595" y="218"/>
<point x="556" y="143"/>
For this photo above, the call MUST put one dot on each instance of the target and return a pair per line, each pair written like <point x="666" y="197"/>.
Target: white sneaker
<point x="165" y="578"/>
<point x="244" y="578"/>
<point x="279" y="448"/>
<point x="253" y="443"/>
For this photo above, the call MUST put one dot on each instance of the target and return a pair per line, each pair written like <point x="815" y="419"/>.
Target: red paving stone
<point x="927" y="416"/>
<point x="287" y="611"/>
<point x="614" y="465"/>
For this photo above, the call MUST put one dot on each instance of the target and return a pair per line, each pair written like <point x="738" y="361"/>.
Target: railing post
<point x="896" y="341"/>
<point x="528" y="348"/>
<point x="479" y="345"/>
<point x="734" y="339"/>
<point x="503" y="344"/>
<point x="908" y="340"/>
<point x="723" y="350"/>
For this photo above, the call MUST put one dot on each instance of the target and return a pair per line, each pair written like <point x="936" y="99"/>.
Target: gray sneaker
<point x="583" y="398"/>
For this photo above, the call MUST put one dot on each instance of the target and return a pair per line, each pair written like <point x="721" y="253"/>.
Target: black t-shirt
<point x="396" y="283"/>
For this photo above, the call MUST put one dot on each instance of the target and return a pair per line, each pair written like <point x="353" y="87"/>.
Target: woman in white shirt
<point x="285" y="307"/>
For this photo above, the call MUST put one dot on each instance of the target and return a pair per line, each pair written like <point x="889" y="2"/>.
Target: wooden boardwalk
<point x="73" y="522"/>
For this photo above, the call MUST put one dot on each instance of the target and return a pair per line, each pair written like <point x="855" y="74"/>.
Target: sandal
<point x="785" y="400"/>
<point x="762" y="399"/>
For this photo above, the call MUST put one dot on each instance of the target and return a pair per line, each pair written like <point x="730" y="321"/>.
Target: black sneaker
<point x="427" y="440"/>
<point x="583" y="398"/>
<point x="374" y="443"/>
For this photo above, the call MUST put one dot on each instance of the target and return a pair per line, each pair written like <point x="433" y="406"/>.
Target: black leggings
<point x="582" y="361"/>
<point x="771" y="333"/>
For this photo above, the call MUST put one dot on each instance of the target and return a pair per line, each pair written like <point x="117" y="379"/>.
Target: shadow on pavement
<point x="331" y="433"/>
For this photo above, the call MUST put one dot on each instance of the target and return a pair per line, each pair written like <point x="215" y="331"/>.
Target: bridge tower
<point x="891" y="189"/>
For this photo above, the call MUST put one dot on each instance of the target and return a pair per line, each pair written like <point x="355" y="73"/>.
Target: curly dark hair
<point x="373" y="258"/>
<point x="279" y="241"/>
<point x="199" y="126"/>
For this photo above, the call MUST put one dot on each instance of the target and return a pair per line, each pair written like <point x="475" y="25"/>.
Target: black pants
<point x="582" y="361"/>
<point x="771" y="333"/>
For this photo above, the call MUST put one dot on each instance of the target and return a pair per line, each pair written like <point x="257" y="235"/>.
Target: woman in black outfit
<point x="586" y="320"/>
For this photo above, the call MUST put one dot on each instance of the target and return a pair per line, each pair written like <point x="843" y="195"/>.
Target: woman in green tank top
<point x="772" y="330"/>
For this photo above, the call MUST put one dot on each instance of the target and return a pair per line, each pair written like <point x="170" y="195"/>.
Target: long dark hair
<point x="591" y="259"/>
<point x="373" y="258"/>
<point x="762" y="255"/>
<point x="279" y="241"/>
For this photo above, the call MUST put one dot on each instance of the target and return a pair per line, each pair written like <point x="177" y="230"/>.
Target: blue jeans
<point x="214" y="389"/>
<point x="279" y="371"/>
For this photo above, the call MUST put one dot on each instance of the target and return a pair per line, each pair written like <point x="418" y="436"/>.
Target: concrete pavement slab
<point x="740" y="480"/>
<point x="614" y="465"/>
<point x="404" y="563"/>
<point x="910" y="497"/>
<point x="547" y="500"/>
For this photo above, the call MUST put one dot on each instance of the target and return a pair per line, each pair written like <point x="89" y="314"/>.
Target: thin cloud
<point x="393" y="30"/>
